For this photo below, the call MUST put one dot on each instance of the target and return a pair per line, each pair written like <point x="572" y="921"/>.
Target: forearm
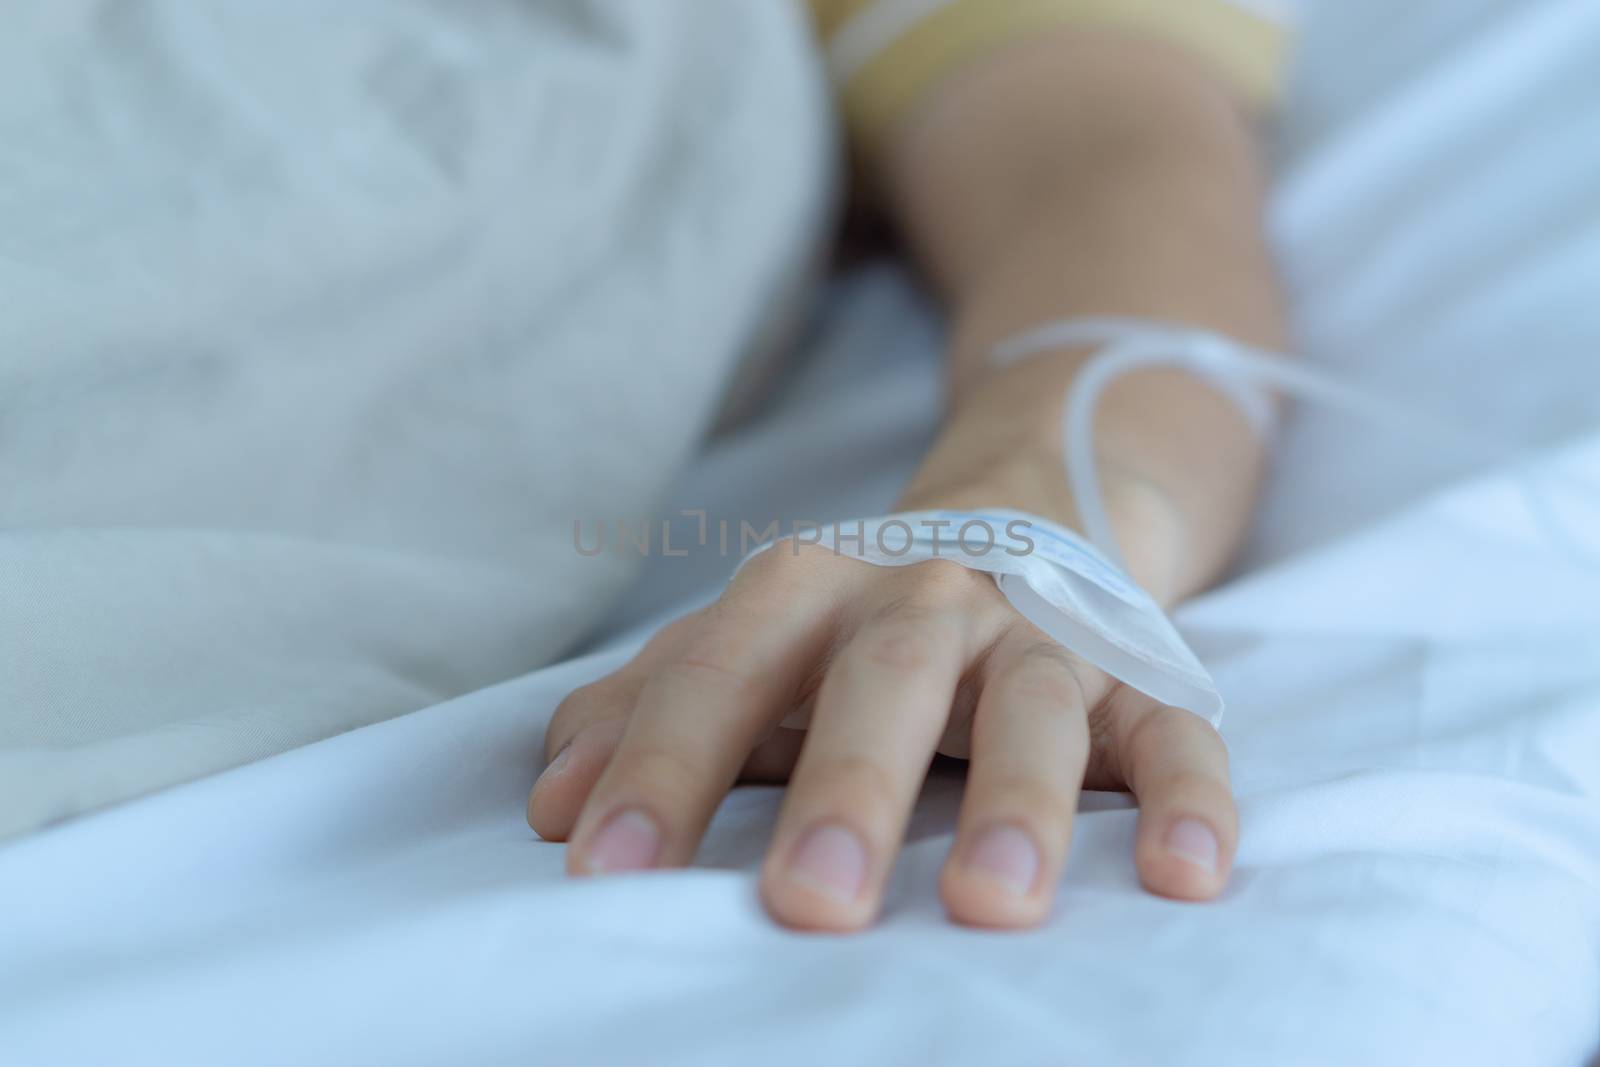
<point x="1088" y="174"/>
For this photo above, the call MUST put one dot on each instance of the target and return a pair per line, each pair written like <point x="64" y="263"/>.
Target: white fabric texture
<point x="1413" y="687"/>
<point x="308" y="313"/>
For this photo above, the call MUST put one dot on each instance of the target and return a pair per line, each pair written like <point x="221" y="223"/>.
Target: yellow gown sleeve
<point x="885" y="54"/>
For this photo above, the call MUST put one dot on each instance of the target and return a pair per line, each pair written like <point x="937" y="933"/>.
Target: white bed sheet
<point x="1414" y="716"/>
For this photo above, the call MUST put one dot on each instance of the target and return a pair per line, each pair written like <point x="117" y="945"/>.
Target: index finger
<point x="697" y="718"/>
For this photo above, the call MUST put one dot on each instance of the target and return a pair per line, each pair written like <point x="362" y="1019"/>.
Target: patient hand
<point x="1145" y="200"/>
<point x="886" y="666"/>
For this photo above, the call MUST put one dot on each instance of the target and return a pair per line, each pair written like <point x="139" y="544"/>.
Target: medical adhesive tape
<point x="1054" y="578"/>
<point x="1076" y="589"/>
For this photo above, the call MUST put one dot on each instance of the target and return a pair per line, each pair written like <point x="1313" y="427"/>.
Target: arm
<point x="1081" y="172"/>
<point x="1091" y="173"/>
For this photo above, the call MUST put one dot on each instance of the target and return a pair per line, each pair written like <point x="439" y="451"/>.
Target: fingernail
<point x="1193" y="842"/>
<point x="832" y="861"/>
<point x="629" y="841"/>
<point x="1006" y="855"/>
<point x="557" y="765"/>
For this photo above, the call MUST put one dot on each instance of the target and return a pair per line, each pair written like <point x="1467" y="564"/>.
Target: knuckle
<point x="857" y="781"/>
<point x="1151" y="729"/>
<point x="672" y="634"/>
<point x="901" y="646"/>
<point x="721" y="648"/>
<point x="946" y="579"/>
<point x="1195" y="785"/>
<point x="579" y="707"/>
<point x="773" y="562"/>
<point x="1054" y="689"/>
<point x="1043" y="652"/>
<point x="717" y="654"/>
<point x="659" y="770"/>
<point x="786" y="564"/>
<point x="1174" y="754"/>
<point x="1158" y="728"/>
<point x="907" y="634"/>
<point x="1045" y="674"/>
<point x="1031" y="795"/>
<point x="697" y="674"/>
<point x="805" y="554"/>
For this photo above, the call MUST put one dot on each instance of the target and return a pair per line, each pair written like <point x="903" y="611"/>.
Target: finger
<point x="1177" y="766"/>
<point x="878" y="719"/>
<point x="614" y="694"/>
<point x="584" y="732"/>
<point x="562" y="788"/>
<point x="696" y="721"/>
<point x="1030" y="745"/>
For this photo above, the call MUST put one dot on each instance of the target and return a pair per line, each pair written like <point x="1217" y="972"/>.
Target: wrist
<point x="1148" y="523"/>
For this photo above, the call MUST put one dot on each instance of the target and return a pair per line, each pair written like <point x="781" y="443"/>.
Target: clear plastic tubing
<point x="1243" y="373"/>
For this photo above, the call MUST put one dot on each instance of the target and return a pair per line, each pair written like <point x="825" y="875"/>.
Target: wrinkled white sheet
<point x="306" y="310"/>
<point x="1414" y="692"/>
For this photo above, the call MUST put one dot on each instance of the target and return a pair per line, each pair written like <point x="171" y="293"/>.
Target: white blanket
<point x="319" y="326"/>
<point x="1413" y="679"/>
